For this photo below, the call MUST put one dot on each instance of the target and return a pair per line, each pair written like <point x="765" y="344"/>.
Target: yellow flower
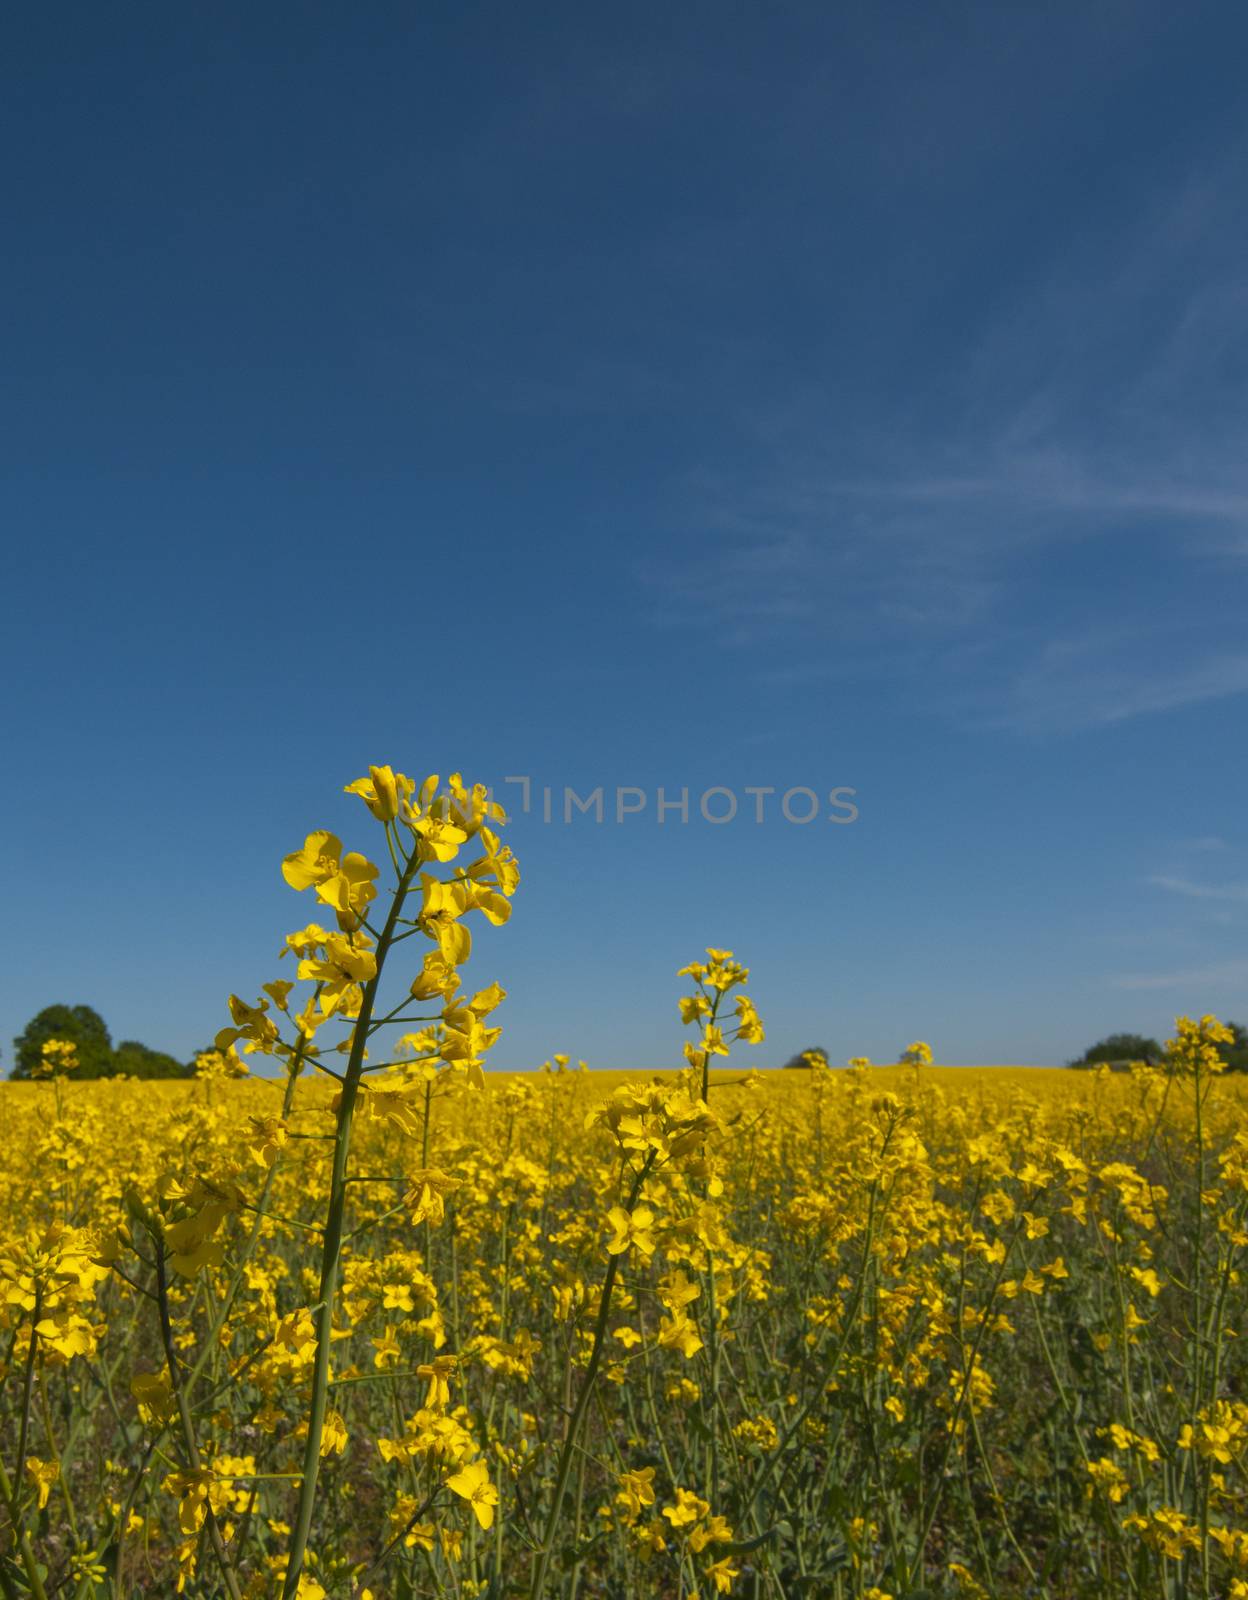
<point x="713" y="1041"/>
<point x="687" y="1510"/>
<point x="333" y="1434"/>
<point x="154" y="1394"/>
<point x="1194" y="1049"/>
<point x="438" y="1372"/>
<point x="220" y="1064"/>
<point x="442" y="906"/>
<point x="759" y="1431"/>
<point x="631" y="1230"/>
<point x="397" y="1297"/>
<point x="473" y="1484"/>
<point x="636" y="1490"/>
<point x="436" y="977"/>
<point x="749" y="1024"/>
<point x="676" y="1290"/>
<point x="44" y="1475"/>
<point x="340" y="973"/>
<point x="427" y="1193"/>
<point x="1109" y="1477"/>
<point x="679" y="1333"/>
<point x="317" y="861"/>
<point x="56" y="1057"/>
<point x="350" y="890"/>
<point x="387" y="1348"/>
<point x="266" y="1138"/>
<point x="250" y="1023"/>
<point x="722" y="1573"/>
<point x="383" y="791"/>
<point x="437" y="838"/>
<point x="496" y="865"/>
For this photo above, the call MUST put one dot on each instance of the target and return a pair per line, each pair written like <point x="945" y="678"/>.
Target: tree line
<point x="1117" y="1050"/>
<point x="97" y="1056"/>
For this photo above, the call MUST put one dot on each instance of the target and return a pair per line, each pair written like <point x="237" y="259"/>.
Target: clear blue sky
<point x="648" y="395"/>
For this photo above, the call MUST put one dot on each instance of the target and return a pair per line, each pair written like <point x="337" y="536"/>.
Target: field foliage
<point x="388" y="1325"/>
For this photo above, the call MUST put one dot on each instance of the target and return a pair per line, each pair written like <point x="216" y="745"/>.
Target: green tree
<point x="81" y="1024"/>
<point x="1121" y="1047"/>
<point x="813" y="1056"/>
<point x="138" y="1061"/>
<point x="96" y="1055"/>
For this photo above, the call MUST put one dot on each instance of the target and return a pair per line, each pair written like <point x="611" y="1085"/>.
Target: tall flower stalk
<point x="420" y="830"/>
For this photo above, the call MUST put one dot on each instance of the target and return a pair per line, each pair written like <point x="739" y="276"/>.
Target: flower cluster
<point x="346" y="1315"/>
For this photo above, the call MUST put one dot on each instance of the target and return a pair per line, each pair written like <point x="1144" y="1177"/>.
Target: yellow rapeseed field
<point x="381" y="1323"/>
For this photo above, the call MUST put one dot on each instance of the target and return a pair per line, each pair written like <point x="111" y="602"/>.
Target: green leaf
<point x="742" y="1547"/>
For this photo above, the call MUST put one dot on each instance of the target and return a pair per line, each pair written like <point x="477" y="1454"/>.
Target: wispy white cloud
<point x="1097" y="411"/>
<point x="1217" y="975"/>
<point x="747" y="590"/>
<point x="1237" y="892"/>
<point x="1088" y="682"/>
<point x="1058" y="481"/>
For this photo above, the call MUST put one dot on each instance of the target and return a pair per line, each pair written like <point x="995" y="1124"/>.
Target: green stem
<point x="188" y="1426"/>
<point x="332" y="1250"/>
<point x="28" y="1384"/>
<point x="23" y="1538"/>
<point x="582" y="1405"/>
<point x="925" y="1531"/>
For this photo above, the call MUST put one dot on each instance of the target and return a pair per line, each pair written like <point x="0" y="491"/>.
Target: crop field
<point x="348" y="1315"/>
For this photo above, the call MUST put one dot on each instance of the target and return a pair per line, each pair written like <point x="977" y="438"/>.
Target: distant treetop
<point x="93" y="1054"/>
<point x="813" y="1056"/>
<point x="1121" y="1047"/>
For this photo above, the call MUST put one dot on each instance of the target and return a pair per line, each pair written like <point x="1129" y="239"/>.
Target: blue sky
<point x="699" y="395"/>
